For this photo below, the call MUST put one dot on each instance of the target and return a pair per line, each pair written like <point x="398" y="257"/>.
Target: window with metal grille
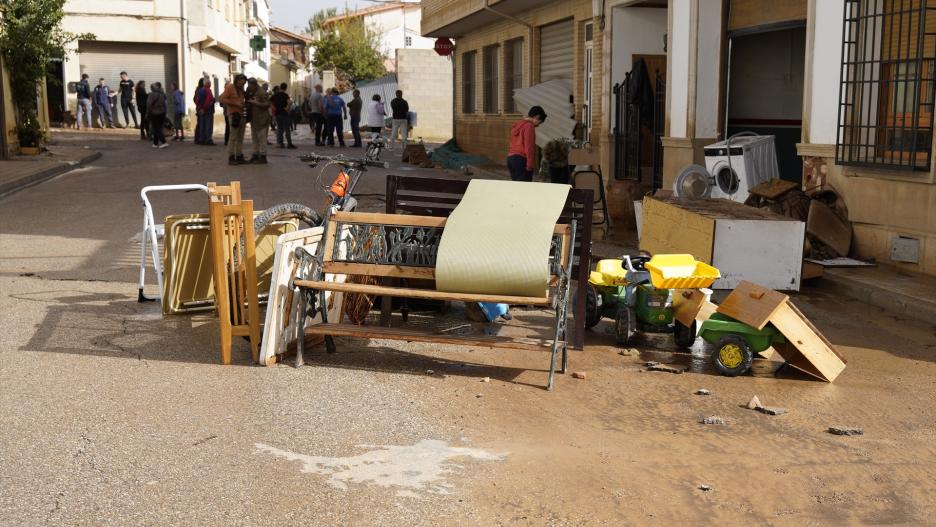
<point x="513" y="72"/>
<point x="490" y="78"/>
<point x="468" y="81"/>
<point x="887" y="84"/>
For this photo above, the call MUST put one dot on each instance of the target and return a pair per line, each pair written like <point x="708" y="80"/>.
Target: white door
<point x="588" y="76"/>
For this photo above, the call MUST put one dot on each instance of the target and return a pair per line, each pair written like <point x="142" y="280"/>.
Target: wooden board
<point x="807" y="349"/>
<point x="668" y="229"/>
<point x="410" y="335"/>
<point x="688" y="304"/>
<point x="824" y="225"/>
<point x="772" y="188"/>
<point x="752" y="304"/>
<point x="280" y="329"/>
<point x="403" y="292"/>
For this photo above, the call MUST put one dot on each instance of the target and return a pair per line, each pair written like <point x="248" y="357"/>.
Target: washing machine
<point x="731" y="168"/>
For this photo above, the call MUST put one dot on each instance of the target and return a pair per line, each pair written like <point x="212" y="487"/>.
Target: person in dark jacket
<point x="178" y="112"/>
<point x="205" y="108"/>
<point x="354" y="112"/>
<point x="156" y="108"/>
<point x="281" y="103"/>
<point x="400" y="113"/>
<point x="102" y="102"/>
<point x="141" y="97"/>
<point x="127" y="94"/>
<point x="83" y="91"/>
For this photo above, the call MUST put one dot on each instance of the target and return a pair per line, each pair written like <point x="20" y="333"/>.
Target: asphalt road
<point x="111" y="414"/>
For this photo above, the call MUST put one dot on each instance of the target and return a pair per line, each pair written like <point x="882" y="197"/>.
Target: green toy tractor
<point x="736" y="343"/>
<point x="622" y="291"/>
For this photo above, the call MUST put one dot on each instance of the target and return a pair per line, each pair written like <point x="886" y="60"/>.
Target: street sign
<point x="444" y="46"/>
<point x="258" y="43"/>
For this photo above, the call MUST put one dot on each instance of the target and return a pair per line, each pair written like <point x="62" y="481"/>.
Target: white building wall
<point x="636" y="31"/>
<point x="427" y="81"/>
<point x="826" y="72"/>
<point x="677" y="74"/>
<point x="708" y="68"/>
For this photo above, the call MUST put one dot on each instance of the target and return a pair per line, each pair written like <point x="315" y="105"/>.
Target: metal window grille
<point x="490" y="78"/>
<point x="513" y="72"/>
<point x="468" y="82"/>
<point x="885" y="114"/>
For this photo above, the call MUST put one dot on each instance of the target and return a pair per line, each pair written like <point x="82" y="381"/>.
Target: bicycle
<point x="308" y="216"/>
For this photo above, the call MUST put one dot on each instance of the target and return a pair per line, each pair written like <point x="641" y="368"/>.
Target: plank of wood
<point x="389" y="219"/>
<point x="389" y="271"/>
<point x="687" y="304"/>
<point x="670" y="228"/>
<point x="772" y="188"/>
<point x="752" y="304"/>
<point x="413" y="335"/>
<point x="812" y="270"/>
<point x="402" y="292"/>
<point x="815" y="355"/>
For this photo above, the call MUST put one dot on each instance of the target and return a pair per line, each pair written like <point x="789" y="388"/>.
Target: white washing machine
<point x="731" y="168"/>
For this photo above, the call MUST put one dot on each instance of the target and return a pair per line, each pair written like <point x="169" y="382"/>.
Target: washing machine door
<point x="693" y="182"/>
<point x="726" y="178"/>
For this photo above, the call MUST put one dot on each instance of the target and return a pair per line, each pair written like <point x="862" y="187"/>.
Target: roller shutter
<point x="146" y="62"/>
<point x="557" y="51"/>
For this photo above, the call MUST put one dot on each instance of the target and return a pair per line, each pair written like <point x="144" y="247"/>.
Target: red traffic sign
<point x="444" y="46"/>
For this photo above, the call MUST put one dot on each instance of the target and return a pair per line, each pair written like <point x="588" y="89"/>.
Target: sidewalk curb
<point x="897" y="303"/>
<point x="13" y="187"/>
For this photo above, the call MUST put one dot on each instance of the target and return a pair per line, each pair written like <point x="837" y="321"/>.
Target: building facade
<point x="507" y="45"/>
<point x="847" y="87"/>
<point x="166" y="41"/>
<point x="289" y="54"/>
<point x="397" y="23"/>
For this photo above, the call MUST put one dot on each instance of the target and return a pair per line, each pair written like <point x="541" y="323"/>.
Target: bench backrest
<point x="438" y="197"/>
<point x="402" y="246"/>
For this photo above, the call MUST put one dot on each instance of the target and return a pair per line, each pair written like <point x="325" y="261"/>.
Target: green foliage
<point x="30" y="36"/>
<point x="315" y="23"/>
<point x="349" y="47"/>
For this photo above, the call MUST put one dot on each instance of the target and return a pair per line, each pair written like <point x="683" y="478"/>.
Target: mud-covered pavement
<point x="111" y="414"/>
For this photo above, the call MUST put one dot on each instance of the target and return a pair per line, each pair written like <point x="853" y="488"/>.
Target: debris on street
<point x="578" y="375"/>
<point x="702" y="391"/>
<point x="754" y="403"/>
<point x="662" y="367"/>
<point x="846" y="430"/>
<point x="712" y="420"/>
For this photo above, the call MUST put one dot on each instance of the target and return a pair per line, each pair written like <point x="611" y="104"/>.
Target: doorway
<point x="765" y="91"/>
<point x="55" y="92"/>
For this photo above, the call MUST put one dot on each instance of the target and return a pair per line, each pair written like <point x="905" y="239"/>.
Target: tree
<point x="315" y="23"/>
<point x="30" y="36"/>
<point x="351" y="48"/>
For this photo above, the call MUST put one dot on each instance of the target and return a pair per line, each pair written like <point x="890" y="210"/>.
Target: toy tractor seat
<point x="608" y="273"/>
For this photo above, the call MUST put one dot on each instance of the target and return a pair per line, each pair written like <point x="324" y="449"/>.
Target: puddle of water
<point x="416" y="468"/>
<point x="700" y="361"/>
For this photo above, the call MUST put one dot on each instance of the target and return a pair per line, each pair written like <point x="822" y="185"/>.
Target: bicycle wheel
<point x="283" y="211"/>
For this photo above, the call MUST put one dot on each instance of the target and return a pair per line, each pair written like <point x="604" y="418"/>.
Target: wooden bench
<point x="439" y="197"/>
<point x="404" y="247"/>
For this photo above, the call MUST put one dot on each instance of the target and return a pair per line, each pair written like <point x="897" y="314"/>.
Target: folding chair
<point x="590" y="177"/>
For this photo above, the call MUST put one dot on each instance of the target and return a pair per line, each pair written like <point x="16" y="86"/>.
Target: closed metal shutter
<point x="557" y="51"/>
<point x="142" y="62"/>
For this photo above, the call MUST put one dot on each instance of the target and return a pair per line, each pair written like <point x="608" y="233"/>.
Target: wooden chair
<point x="234" y="266"/>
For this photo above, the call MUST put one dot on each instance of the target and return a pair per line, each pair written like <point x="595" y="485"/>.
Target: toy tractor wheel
<point x="625" y="324"/>
<point x="592" y="306"/>
<point x="733" y="356"/>
<point x="683" y="336"/>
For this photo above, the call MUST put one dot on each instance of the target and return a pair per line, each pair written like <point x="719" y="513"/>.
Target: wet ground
<point x="111" y="414"/>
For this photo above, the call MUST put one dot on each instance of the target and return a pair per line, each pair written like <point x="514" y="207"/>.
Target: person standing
<point x="178" y="112"/>
<point x="227" y="120"/>
<point x="335" y="113"/>
<point x="156" y="107"/>
<point x="127" y="96"/>
<point x="234" y="102"/>
<point x="281" y="100"/>
<point x="521" y="156"/>
<point x="83" y="91"/>
<point x="141" y="97"/>
<point x="354" y="112"/>
<point x="313" y="109"/>
<point x="259" y="111"/>
<point x="205" y="110"/>
<point x="103" y="103"/>
<point x="400" y="113"/>
<point x="376" y="114"/>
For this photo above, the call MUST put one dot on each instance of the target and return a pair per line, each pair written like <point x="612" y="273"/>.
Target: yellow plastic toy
<point x="680" y="271"/>
<point x="608" y="273"/>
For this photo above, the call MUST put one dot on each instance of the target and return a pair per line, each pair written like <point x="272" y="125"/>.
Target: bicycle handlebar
<point x="344" y="161"/>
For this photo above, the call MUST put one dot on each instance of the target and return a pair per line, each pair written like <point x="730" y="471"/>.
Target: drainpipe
<point x="183" y="44"/>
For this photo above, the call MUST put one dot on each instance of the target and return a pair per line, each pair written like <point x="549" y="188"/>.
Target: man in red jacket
<point x="521" y="158"/>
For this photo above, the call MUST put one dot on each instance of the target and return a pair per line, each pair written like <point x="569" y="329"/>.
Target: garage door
<point x="557" y="51"/>
<point x="142" y="62"/>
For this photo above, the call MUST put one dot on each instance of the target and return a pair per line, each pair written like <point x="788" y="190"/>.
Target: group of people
<point x="327" y="111"/>
<point x="153" y="107"/>
<point x="244" y="101"/>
